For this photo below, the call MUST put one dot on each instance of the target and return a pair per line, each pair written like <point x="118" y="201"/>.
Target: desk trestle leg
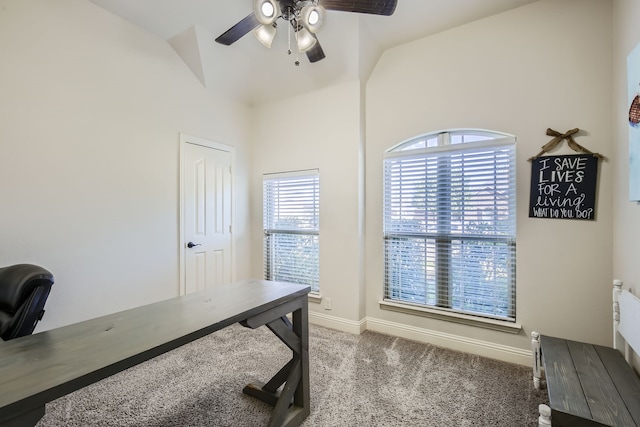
<point x="288" y="390"/>
<point x="30" y="418"/>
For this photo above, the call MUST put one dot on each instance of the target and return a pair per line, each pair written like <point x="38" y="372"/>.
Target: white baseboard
<point x="337" y="323"/>
<point x="441" y="339"/>
<point x="454" y="342"/>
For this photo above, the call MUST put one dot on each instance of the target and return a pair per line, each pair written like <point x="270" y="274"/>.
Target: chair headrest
<point x="18" y="281"/>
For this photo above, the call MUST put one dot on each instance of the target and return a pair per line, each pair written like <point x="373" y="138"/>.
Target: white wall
<point x="627" y="214"/>
<point x="91" y="109"/>
<point x="544" y="65"/>
<point x="317" y="130"/>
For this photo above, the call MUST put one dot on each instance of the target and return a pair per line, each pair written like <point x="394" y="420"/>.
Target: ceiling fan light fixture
<point x="266" y="11"/>
<point x="266" y="34"/>
<point x="312" y="17"/>
<point x="305" y="40"/>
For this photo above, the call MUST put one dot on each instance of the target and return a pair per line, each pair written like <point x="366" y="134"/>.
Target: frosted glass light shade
<point x="266" y="11"/>
<point x="312" y="17"/>
<point x="306" y="40"/>
<point x="266" y="34"/>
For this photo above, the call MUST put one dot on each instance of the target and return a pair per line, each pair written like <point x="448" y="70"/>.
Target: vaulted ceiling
<point x="254" y="74"/>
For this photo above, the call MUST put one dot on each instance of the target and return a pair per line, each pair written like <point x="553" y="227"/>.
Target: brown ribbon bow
<point x="559" y="137"/>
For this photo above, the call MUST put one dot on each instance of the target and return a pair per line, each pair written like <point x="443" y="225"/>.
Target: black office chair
<point x="24" y="289"/>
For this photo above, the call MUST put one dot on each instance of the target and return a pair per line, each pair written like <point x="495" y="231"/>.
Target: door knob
<point x="192" y="245"/>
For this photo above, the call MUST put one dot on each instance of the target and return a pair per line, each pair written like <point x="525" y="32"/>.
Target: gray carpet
<point x="368" y="380"/>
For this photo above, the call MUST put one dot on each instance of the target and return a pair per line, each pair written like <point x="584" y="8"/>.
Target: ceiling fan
<point x="305" y="18"/>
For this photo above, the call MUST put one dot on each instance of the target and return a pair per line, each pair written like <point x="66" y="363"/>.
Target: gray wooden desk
<point x="39" y="368"/>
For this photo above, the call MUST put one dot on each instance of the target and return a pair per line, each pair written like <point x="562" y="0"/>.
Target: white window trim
<point x="450" y="148"/>
<point x="452" y="316"/>
<point x="314" y="295"/>
<point x="442" y="313"/>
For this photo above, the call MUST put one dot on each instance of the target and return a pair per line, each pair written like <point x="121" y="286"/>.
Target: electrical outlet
<point x="327" y="303"/>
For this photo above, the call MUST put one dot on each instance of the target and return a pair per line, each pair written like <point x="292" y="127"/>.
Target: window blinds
<point x="291" y="213"/>
<point x="449" y="227"/>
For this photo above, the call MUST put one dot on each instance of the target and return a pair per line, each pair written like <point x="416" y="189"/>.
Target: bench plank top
<point x="603" y="398"/>
<point x="589" y="384"/>
<point x="626" y="380"/>
<point x="565" y="392"/>
<point x="40" y="368"/>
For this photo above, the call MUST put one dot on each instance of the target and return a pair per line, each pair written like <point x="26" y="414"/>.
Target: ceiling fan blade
<point x="234" y="33"/>
<point x="375" y="7"/>
<point x="316" y="53"/>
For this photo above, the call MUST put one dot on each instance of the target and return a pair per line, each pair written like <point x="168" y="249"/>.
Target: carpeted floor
<point x="369" y="380"/>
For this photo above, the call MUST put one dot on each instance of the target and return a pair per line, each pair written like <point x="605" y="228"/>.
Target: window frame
<point x="424" y="146"/>
<point x="310" y="230"/>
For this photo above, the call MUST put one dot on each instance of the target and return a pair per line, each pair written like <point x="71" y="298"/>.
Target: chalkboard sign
<point x="563" y="187"/>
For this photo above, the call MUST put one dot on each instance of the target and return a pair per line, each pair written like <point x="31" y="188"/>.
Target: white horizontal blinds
<point x="291" y="213"/>
<point x="449" y="227"/>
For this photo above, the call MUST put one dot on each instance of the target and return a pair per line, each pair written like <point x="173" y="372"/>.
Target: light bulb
<point x="312" y="17"/>
<point x="266" y="11"/>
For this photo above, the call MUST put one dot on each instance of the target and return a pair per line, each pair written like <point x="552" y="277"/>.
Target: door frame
<point x="194" y="140"/>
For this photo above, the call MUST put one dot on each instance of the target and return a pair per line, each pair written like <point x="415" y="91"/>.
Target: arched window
<point x="450" y="222"/>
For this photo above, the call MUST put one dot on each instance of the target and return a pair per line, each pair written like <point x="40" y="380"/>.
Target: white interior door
<point x="206" y="216"/>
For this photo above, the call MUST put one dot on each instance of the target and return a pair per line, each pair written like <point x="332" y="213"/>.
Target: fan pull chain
<point x="297" y="51"/>
<point x="289" y="38"/>
<point x="292" y="22"/>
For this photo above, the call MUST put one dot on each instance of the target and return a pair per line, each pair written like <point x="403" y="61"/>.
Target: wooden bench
<point x="39" y="368"/>
<point x="592" y="385"/>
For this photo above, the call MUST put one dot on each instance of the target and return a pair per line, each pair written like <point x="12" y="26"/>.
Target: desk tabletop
<point x="44" y="366"/>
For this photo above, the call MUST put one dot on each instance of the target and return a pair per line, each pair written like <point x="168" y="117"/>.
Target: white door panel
<point x="206" y="216"/>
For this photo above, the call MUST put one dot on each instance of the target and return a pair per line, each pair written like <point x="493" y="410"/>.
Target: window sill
<point x="450" y="316"/>
<point x="314" y="297"/>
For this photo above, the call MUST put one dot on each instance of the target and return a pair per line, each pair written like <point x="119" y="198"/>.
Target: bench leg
<point x="537" y="359"/>
<point x="544" y="420"/>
